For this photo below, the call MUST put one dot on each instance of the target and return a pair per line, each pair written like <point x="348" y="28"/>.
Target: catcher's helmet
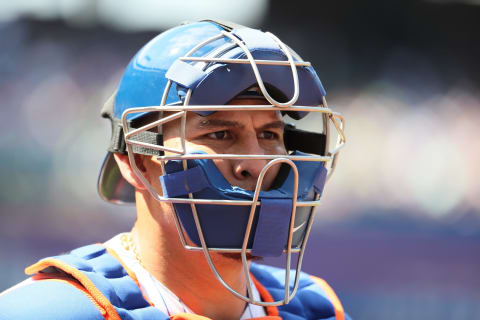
<point x="200" y="67"/>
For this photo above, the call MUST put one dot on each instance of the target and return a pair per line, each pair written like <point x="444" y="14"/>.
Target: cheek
<point x="281" y="149"/>
<point x="225" y="168"/>
<point x="152" y="173"/>
<point x="276" y="148"/>
<point x="173" y="143"/>
<point x="176" y="143"/>
<point x="190" y="146"/>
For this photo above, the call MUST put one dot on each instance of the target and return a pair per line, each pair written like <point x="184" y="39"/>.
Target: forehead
<point x="256" y="118"/>
<point x="241" y="115"/>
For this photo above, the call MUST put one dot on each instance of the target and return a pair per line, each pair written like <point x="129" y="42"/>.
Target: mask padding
<point x="281" y="176"/>
<point x="304" y="141"/>
<point x="272" y="227"/>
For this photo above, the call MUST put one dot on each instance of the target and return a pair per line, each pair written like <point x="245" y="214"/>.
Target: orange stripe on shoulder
<point x="86" y="283"/>
<point x="337" y="305"/>
<point x="188" y="316"/>
<point x="266" y="297"/>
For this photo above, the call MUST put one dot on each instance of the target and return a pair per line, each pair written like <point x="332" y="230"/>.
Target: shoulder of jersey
<point x="65" y="296"/>
<point x="88" y="283"/>
<point x="47" y="299"/>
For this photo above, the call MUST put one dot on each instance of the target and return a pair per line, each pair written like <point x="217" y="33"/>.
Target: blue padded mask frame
<point x="219" y="82"/>
<point x="225" y="226"/>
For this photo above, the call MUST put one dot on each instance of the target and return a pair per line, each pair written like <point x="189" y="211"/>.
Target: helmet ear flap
<point x="108" y="107"/>
<point x="117" y="144"/>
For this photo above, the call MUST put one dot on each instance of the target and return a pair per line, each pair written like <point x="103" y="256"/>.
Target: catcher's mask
<point x="200" y="67"/>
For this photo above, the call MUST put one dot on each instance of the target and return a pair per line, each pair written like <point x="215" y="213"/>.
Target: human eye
<point x="268" y="135"/>
<point x="219" y="135"/>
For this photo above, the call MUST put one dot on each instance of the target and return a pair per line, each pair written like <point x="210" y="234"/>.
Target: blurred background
<point x="398" y="235"/>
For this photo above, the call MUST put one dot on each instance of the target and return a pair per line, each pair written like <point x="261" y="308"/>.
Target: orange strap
<point x="102" y="303"/>
<point x="266" y="296"/>
<point x="339" y="313"/>
<point x="190" y="316"/>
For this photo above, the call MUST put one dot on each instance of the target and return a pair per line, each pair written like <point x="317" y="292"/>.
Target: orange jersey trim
<point x="337" y="305"/>
<point x="266" y="297"/>
<point x="190" y="316"/>
<point x="89" y="287"/>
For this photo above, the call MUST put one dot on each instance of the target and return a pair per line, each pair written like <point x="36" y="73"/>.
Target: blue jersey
<point x="91" y="283"/>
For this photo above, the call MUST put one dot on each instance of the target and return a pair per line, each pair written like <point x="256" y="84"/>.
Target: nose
<point x="248" y="170"/>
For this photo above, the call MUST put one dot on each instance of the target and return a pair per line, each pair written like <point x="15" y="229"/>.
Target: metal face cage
<point x="331" y="120"/>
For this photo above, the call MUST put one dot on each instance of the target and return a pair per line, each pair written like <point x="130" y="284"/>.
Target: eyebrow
<point x="215" y="123"/>
<point x="274" y="125"/>
<point x="220" y="123"/>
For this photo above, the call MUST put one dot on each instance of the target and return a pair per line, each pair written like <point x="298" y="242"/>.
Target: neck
<point x="186" y="273"/>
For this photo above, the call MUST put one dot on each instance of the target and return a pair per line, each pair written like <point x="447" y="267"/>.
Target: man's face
<point x="234" y="132"/>
<point x="228" y="132"/>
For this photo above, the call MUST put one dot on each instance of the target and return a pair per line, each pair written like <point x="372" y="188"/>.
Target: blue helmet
<point x="200" y="67"/>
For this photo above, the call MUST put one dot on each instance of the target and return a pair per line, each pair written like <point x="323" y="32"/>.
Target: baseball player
<point x="201" y="145"/>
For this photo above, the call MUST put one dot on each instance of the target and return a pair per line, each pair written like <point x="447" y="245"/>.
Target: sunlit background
<point x="398" y="235"/>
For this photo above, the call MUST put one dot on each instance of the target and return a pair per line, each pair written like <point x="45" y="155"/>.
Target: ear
<point x="127" y="171"/>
